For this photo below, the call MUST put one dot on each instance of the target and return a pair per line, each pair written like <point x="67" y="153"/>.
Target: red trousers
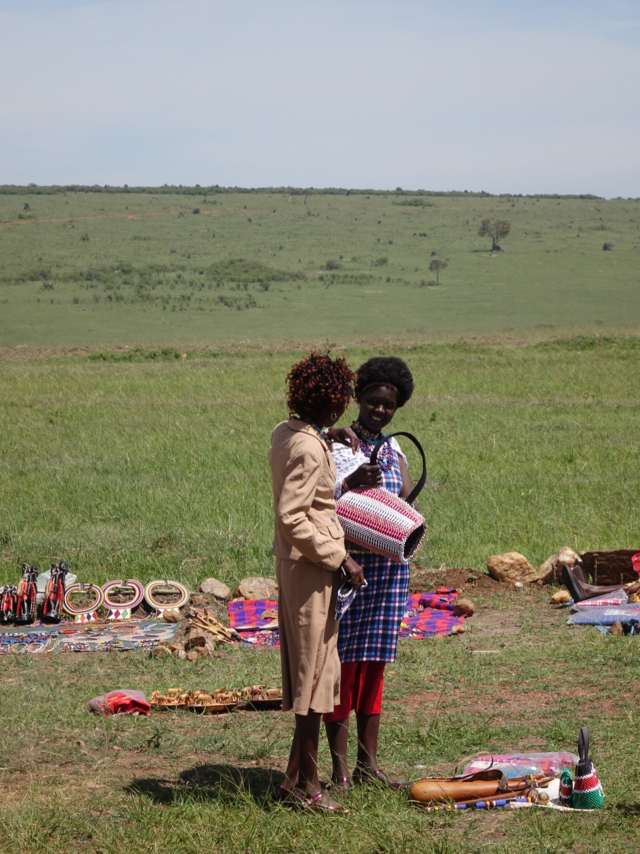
<point x="361" y="684"/>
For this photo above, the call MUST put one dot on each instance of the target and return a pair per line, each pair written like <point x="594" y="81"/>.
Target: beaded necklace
<point x="368" y="435"/>
<point x="324" y="434"/>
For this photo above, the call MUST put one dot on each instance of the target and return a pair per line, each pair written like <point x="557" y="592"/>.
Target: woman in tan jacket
<point x="309" y="550"/>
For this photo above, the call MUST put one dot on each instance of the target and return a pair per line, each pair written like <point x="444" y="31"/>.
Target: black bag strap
<point x="417" y="489"/>
<point x="583" y="744"/>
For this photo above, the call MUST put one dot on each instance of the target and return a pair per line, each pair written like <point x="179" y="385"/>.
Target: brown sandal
<point x="365" y="775"/>
<point x="322" y="801"/>
<point x="289" y="797"/>
<point x="342" y="785"/>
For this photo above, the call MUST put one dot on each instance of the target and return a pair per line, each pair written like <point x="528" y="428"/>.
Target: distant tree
<point x="436" y="266"/>
<point x="496" y="229"/>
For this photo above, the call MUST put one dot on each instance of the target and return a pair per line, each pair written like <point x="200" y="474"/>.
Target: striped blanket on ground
<point x="426" y="615"/>
<point x="617" y="597"/>
<point x="430" y="615"/>
<point x="256" y="621"/>
<point x="626" y="615"/>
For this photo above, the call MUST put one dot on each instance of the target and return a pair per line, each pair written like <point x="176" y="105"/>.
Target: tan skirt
<point x="308" y="636"/>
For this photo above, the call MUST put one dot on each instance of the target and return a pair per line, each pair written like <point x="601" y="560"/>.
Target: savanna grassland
<point x="134" y="428"/>
<point x="84" y="269"/>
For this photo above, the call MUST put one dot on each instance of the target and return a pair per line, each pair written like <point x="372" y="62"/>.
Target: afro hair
<point x="386" y="370"/>
<point x="317" y="384"/>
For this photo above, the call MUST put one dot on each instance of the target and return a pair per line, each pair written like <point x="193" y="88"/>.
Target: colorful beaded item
<point x="587" y="791"/>
<point x="89" y="611"/>
<point x="161" y="607"/>
<point x="122" y="610"/>
<point x="368" y="435"/>
<point x="566" y="788"/>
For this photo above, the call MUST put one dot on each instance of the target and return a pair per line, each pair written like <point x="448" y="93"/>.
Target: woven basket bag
<point x="380" y="521"/>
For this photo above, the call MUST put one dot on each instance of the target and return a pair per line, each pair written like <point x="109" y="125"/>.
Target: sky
<point x="512" y="96"/>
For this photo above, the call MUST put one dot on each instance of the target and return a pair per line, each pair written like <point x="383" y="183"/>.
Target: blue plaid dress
<point x="369" y="629"/>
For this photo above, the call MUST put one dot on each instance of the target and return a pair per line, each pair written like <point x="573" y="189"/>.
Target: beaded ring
<point x="81" y="588"/>
<point x="113" y="585"/>
<point x="163" y="606"/>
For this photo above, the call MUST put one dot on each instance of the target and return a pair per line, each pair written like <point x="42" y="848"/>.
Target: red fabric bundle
<point x="120" y="703"/>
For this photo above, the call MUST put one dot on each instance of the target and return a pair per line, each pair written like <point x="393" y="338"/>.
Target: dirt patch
<point x="466" y="581"/>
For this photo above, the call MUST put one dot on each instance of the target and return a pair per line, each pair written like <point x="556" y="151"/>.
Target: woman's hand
<point x="345" y="436"/>
<point x="354" y="571"/>
<point x="365" y="475"/>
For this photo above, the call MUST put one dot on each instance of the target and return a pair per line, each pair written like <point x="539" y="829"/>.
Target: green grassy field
<point x="87" y="269"/>
<point x="148" y="464"/>
<point x="141" y="373"/>
<point x="138" y="466"/>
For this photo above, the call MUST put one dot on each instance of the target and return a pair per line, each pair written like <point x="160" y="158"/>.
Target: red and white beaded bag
<point x="380" y="521"/>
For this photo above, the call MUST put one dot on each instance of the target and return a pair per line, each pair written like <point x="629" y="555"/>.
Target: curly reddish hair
<point x="317" y="384"/>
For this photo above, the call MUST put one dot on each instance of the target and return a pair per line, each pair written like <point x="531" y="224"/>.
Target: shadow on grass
<point x="223" y="783"/>
<point x="627" y="810"/>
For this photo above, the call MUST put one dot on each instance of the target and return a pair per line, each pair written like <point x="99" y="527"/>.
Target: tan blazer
<point x="304" y="477"/>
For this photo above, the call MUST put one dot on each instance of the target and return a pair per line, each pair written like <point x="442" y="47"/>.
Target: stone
<point x="257" y="588"/>
<point x="172" y="616"/>
<point x="616" y="629"/>
<point x="551" y="569"/>
<point x="192" y="655"/>
<point x="511" y="567"/>
<point x="199" y="640"/>
<point x="161" y="649"/>
<point x="199" y="601"/>
<point x="464" y="607"/>
<point x="215" y="588"/>
<point x="560" y="597"/>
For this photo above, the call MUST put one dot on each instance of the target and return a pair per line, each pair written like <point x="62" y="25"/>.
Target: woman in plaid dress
<point x="368" y="634"/>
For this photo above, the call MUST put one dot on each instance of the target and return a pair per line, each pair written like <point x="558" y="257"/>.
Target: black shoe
<point x="572" y="584"/>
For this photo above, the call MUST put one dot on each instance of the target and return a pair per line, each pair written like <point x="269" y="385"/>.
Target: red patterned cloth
<point x="429" y="615"/>
<point x="426" y="615"/>
<point x="247" y="613"/>
<point x="245" y="616"/>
